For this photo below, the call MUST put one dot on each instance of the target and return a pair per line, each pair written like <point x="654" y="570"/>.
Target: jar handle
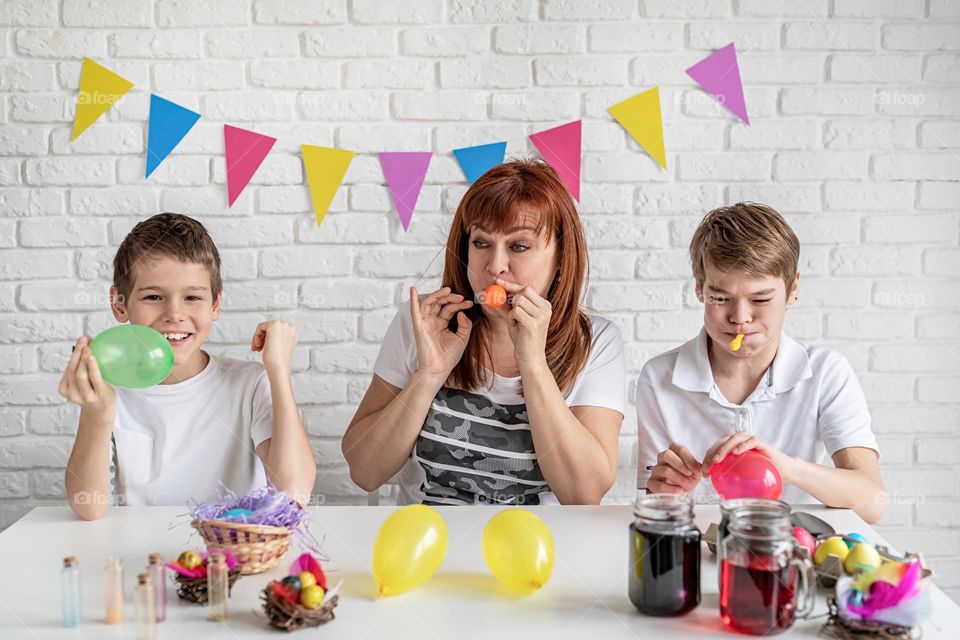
<point x="808" y="582"/>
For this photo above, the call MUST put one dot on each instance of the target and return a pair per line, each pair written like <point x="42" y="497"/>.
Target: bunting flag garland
<point x="100" y="89"/>
<point x="404" y="172"/>
<point x="325" y="168"/>
<point x="719" y="75"/>
<point x="169" y="123"/>
<point x="640" y="116"/>
<point x="476" y="161"/>
<point x="245" y="151"/>
<point x="560" y="147"/>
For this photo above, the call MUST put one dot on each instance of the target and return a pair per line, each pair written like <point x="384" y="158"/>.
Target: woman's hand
<point x="439" y="349"/>
<point x="528" y="320"/>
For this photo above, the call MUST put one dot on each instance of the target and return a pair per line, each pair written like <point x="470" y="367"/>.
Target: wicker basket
<point x="195" y="589"/>
<point x="258" y="547"/>
<point x="290" y="617"/>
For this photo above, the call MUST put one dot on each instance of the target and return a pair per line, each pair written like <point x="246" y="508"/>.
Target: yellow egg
<point x="861" y="556"/>
<point x="311" y="597"/>
<point x="833" y="546"/>
<point x="189" y="560"/>
<point x="889" y="572"/>
<point x="307" y="579"/>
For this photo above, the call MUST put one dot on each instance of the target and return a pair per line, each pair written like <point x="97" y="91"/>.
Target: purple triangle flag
<point x="719" y="75"/>
<point x="404" y="172"/>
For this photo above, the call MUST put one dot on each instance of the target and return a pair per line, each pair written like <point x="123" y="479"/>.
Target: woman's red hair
<point x="496" y="202"/>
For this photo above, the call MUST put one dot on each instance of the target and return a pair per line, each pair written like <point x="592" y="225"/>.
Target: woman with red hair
<point x="518" y="403"/>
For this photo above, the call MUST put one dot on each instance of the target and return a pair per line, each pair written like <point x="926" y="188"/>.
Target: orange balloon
<point x="495" y="296"/>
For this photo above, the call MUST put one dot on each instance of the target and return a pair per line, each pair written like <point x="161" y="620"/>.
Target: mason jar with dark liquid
<point x="664" y="575"/>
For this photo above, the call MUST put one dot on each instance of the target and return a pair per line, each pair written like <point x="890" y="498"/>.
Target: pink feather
<point x="884" y="595"/>
<point x="307" y="562"/>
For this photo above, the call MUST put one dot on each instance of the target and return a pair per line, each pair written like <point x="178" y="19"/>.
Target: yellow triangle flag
<point x="325" y="169"/>
<point x="99" y="89"/>
<point x="640" y="116"/>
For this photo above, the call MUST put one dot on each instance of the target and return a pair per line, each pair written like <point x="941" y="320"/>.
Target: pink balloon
<point x="747" y="475"/>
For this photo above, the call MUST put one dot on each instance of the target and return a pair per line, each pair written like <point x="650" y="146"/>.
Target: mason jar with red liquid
<point x="766" y="582"/>
<point x="664" y="578"/>
<point x="759" y="507"/>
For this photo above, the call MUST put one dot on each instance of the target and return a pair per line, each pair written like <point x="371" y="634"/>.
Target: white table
<point x="585" y="598"/>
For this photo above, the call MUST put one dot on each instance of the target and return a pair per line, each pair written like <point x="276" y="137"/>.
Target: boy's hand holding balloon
<point x="82" y="383"/>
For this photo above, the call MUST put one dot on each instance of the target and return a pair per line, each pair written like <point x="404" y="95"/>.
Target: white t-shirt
<point x="476" y="447"/>
<point x="173" y="442"/>
<point x="808" y="404"/>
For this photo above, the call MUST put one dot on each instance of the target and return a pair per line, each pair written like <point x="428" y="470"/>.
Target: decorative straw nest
<point x="258" y="547"/>
<point x="840" y="628"/>
<point x="290" y="617"/>
<point x="195" y="589"/>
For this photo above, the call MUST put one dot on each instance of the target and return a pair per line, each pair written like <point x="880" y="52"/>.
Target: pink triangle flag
<point x="245" y="151"/>
<point x="404" y="172"/>
<point x="560" y="147"/>
<point x="719" y="74"/>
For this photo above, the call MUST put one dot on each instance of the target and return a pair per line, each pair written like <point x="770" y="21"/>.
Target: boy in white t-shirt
<point x="744" y="384"/>
<point x="214" y="422"/>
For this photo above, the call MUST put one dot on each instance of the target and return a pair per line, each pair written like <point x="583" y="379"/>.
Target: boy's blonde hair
<point x="747" y="237"/>
<point x="166" y="234"/>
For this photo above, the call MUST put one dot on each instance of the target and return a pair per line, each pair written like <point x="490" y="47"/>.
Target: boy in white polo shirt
<point x="720" y="393"/>
<point x="214" y="422"/>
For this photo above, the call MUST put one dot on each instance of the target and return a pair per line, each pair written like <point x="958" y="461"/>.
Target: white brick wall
<point x="855" y="107"/>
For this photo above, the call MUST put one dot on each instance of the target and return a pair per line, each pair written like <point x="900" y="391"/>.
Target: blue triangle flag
<point x="476" y="161"/>
<point x="169" y="123"/>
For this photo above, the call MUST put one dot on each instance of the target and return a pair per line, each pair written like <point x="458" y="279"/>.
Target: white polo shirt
<point x="808" y="404"/>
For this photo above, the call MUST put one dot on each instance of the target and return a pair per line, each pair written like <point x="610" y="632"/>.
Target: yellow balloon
<point x="518" y="548"/>
<point x="409" y="548"/>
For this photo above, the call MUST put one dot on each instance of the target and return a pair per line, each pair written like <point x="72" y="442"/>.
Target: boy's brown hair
<point x="748" y="237"/>
<point x="166" y="234"/>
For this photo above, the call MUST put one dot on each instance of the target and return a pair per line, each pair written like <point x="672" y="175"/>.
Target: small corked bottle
<point x="217" y="585"/>
<point x="143" y="600"/>
<point x="70" y="592"/>
<point x="157" y="572"/>
<point x="114" y="591"/>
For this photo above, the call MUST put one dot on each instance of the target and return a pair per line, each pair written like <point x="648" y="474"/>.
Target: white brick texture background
<point x="855" y="137"/>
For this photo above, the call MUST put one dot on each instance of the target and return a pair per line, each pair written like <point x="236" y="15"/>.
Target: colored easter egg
<point x="293" y="582"/>
<point x="854" y="538"/>
<point x="862" y="556"/>
<point x="806" y="540"/>
<point x="189" y="560"/>
<point x="832" y="546"/>
<point x="311" y="597"/>
<point x="307" y="579"/>
<point x="237" y="513"/>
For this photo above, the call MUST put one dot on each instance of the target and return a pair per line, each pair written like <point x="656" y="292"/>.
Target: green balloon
<point x="132" y="356"/>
